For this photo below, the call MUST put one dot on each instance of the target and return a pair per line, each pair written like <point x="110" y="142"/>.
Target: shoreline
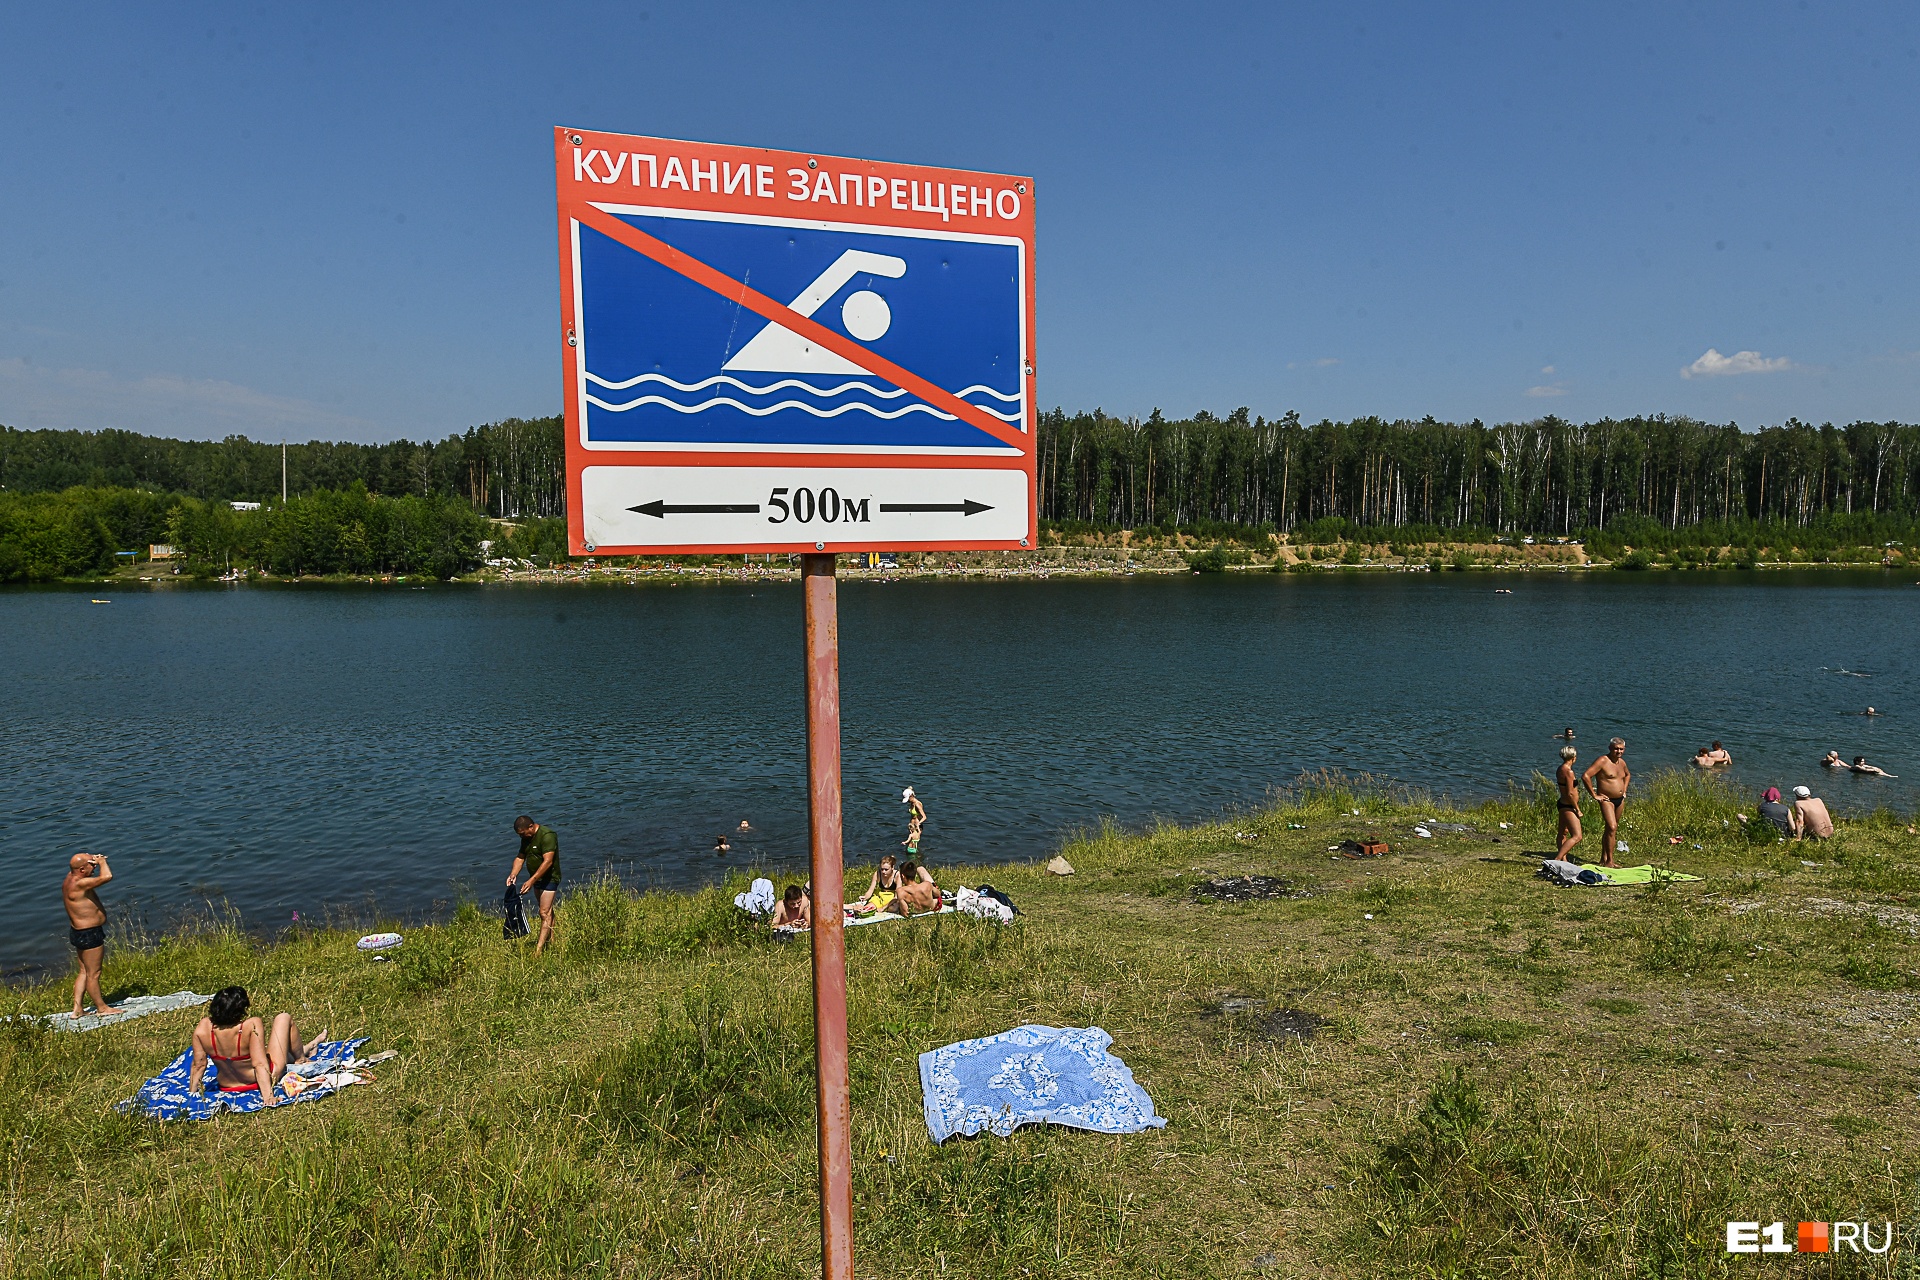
<point x="1017" y="566"/>
<point x="1347" y="1009"/>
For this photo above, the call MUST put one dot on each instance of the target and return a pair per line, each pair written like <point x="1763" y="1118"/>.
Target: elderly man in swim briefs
<point x="87" y="925"/>
<point x="1607" y="780"/>
<point x="540" y="856"/>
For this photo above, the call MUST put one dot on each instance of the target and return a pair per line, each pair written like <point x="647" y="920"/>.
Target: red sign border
<point x="575" y="198"/>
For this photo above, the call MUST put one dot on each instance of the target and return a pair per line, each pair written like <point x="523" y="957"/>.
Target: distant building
<point x="159" y="551"/>
<point x="244" y="506"/>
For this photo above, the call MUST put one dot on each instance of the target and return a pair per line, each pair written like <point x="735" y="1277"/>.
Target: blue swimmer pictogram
<point x="665" y="360"/>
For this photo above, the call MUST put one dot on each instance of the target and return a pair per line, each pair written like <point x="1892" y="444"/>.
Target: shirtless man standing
<point x="87" y="925"/>
<point x="1569" y="784"/>
<point x="1613" y="777"/>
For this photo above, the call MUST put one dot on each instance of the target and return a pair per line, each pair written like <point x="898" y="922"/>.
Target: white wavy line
<point x="834" y="412"/>
<point x="769" y="389"/>
<point x="749" y="389"/>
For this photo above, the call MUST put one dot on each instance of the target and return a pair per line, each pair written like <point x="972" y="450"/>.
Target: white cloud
<point x="1715" y="365"/>
<point x="34" y="395"/>
<point x="1538" y="392"/>
<point x="1324" y="362"/>
<point x="1547" y="369"/>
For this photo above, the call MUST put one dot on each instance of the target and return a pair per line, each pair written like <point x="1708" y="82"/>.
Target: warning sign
<point x="774" y="351"/>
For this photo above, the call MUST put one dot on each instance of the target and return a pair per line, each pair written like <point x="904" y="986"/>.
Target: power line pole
<point x="283" y="473"/>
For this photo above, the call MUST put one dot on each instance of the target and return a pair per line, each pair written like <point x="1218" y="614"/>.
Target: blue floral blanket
<point x="1032" y="1075"/>
<point x="165" y="1097"/>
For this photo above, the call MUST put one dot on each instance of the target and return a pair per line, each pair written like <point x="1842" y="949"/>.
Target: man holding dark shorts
<point x="87" y="925"/>
<point x="540" y="856"/>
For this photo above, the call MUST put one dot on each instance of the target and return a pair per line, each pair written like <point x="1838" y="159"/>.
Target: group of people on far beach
<point x="1607" y="778"/>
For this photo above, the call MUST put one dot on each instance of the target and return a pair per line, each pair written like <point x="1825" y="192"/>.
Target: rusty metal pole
<point x="829" y="924"/>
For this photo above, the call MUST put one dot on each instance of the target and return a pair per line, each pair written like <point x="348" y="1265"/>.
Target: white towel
<point x="758" y="900"/>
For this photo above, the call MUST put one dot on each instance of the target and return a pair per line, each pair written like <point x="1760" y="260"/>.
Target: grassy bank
<point x="1425" y="1064"/>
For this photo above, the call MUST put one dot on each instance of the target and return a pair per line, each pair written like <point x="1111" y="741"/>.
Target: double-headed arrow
<point x="660" y="508"/>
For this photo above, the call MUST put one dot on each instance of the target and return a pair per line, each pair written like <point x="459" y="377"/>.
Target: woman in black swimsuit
<point x="1570" y="833"/>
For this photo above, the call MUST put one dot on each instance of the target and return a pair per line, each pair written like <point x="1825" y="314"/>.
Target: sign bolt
<point x="819" y="546"/>
<point x="1023" y="542"/>
<point x="1021" y="187"/>
<point x="590" y="548"/>
<point x="574" y="138"/>
<point x="573" y="340"/>
<point x="813" y="164"/>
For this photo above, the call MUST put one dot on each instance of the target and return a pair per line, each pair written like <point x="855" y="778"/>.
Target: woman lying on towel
<point x="918" y="894"/>
<point x="243" y="1055"/>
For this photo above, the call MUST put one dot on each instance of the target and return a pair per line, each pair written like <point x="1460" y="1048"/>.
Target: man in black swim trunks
<point x="540" y="855"/>
<point x="1608" y="779"/>
<point x="87" y="925"/>
<point x="1569" y="784"/>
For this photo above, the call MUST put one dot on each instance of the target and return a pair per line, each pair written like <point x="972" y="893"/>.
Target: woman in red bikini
<point x="242" y="1053"/>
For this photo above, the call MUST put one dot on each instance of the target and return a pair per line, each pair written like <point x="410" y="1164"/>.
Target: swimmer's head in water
<point x="1568" y="753"/>
<point x="1859" y="759"/>
<point x="1716" y="746"/>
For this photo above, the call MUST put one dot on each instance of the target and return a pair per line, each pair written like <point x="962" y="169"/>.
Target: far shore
<point x="1171" y="558"/>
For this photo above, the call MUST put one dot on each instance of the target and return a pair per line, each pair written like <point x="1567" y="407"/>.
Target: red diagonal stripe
<point x="787" y="318"/>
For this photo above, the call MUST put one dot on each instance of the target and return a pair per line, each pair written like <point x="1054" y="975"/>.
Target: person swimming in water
<point x="1860" y="765"/>
<point x="1832" y="760"/>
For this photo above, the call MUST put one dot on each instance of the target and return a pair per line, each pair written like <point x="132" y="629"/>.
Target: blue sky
<point x="221" y="219"/>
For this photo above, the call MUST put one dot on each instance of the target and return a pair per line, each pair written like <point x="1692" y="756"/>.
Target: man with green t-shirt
<point x="540" y="855"/>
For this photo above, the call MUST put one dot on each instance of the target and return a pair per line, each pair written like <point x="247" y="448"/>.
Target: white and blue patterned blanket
<point x="165" y="1097"/>
<point x="1032" y="1075"/>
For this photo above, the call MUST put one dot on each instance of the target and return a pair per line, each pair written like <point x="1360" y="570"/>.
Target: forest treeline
<point x="69" y="500"/>
<point x="1547" y="477"/>
<point x="77" y="532"/>
<point x="508" y="469"/>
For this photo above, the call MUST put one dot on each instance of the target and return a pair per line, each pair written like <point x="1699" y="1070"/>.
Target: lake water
<point x="300" y="749"/>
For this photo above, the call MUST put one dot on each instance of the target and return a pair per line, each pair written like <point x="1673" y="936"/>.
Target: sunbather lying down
<point x="244" y="1055"/>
